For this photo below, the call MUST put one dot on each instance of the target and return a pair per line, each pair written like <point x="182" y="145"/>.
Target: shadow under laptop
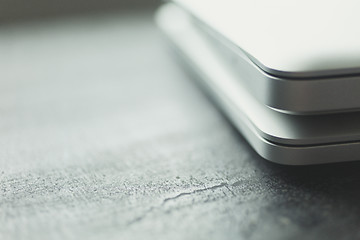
<point x="299" y="202"/>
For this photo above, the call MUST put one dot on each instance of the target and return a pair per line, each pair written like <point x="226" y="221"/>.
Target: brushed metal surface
<point x="288" y="38"/>
<point x="294" y="93"/>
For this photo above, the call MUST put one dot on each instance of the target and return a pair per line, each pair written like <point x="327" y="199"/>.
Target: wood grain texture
<point x="104" y="137"/>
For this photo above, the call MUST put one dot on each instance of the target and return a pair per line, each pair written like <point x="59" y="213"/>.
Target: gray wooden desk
<point x="103" y="136"/>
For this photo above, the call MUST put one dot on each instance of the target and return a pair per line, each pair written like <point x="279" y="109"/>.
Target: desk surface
<point x="103" y="136"/>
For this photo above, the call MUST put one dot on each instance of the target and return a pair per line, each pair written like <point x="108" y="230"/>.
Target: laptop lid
<point x="287" y="38"/>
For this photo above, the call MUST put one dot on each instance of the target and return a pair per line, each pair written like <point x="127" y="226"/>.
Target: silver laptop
<point x="303" y="137"/>
<point x="302" y="57"/>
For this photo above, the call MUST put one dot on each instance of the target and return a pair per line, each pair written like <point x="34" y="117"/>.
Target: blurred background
<point x="16" y="10"/>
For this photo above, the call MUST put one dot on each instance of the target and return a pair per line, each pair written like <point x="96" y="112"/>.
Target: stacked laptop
<point x="286" y="73"/>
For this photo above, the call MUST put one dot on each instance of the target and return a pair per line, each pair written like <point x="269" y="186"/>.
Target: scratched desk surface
<point x="103" y="136"/>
